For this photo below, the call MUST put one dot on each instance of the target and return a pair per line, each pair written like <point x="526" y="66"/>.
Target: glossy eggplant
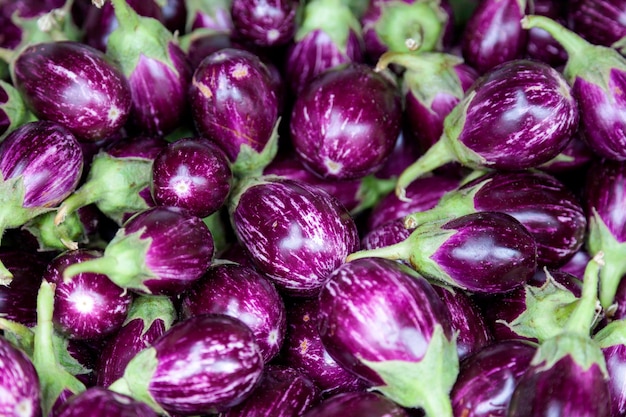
<point x="384" y="322"/>
<point x="241" y="292"/>
<point x="386" y="234"/>
<point x="484" y="252"/>
<point x="282" y="392"/>
<point x="296" y="233"/>
<point x="362" y="404"/>
<point x="487" y="379"/>
<point x="19" y="383"/>
<point x="345" y="123"/>
<point x="104" y="403"/>
<point x="161" y="250"/>
<point x="612" y="341"/>
<point x="540" y="44"/>
<point x="598" y="21"/>
<point x="235" y="103"/>
<point x="74" y="85"/>
<point x="192" y="173"/>
<point x="551" y="212"/>
<point x="517" y="116"/>
<point x="201" y="365"/>
<point x="265" y="23"/>
<point x="148" y="318"/>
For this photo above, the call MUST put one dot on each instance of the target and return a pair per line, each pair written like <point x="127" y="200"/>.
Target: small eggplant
<point x="104" y="403"/>
<point x="612" y="341"/>
<point x="386" y="234"/>
<point x="517" y="116"/>
<point x="161" y="250"/>
<point x="540" y="44"/>
<point x="384" y="322"/>
<point x="345" y="123"/>
<point x="484" y="252"/>
<point x="241" y="292"/>
<point x="362" y="404"/>
<point x="265" y="23"/>
<point x="599" y="21"/>
<point x="204" y="364"/>
<point x="296" y="233"/>
<point x="19" y="383"/>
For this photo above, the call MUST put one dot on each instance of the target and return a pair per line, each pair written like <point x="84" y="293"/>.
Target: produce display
<point x="303" y="208"/>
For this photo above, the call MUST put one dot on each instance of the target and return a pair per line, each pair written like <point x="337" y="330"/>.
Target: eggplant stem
<point x="398" y="251"/>
<point x="583" y="316"/>
<point x="102" y="265"/>
<point x="569" y="40"/>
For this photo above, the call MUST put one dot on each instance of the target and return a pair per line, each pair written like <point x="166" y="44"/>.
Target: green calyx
<point x="332" y="17"/>
<point x="218" y="10"/>
<point x="425" y="383"/>
<point x="613" y="334"/>
<point x="371" y="190"/>
<point x="51" y="237"/>
<point x="250" y="162"/>
<point x="149" y="308"/>
<point x="15" y="108"/>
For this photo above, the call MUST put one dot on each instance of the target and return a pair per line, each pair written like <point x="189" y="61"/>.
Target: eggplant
<point x="303" y="351"/>
<point x="265" y="23"/>
<point x="75" y="85"/>
<point x="386" y="234"/>
<point x="517" y="116"/>
<point x="192" y="173"/>
<point x="148" y="54"/>
<point x="204" y="364"/>
<point x="575" y="156"/>
<point x="540" y="44"/>
<point x="148" y="318"/>
<point x="89" y="306"/>
<point x="161" y="250"/>
<point x="612" y="341"/>
<point x="282" y="392"/>
<point x="596" y="74"/>
<point x="101" y="402"/>
<point x="19" y="383"/>
<point x="241" y="292"/>
<point x="362" y="404"/>
<point x="385" y="323"/>
<point x="235" y="103"/>
<point x="345" y="123"/>
<point x="551" y="212"/>
<point x="484" y="252"/>
<point x="295" y="233"/>
<point x="211" y="15"/>
<point x="328" y="35"/>
<point x="598" y="21"/>
<point x="487" y="379"/>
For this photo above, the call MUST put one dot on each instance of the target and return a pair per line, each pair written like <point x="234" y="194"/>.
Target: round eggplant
<point x="362" y="404"/>
<point x="265" y="23"/>
<point x="101" y="402"/>
<point x="19" y="383"/>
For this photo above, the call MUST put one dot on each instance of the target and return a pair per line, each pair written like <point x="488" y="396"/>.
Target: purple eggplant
<point x="13" y="111"/>
<point x="89" y="306"/>
<point x="386" y="323"/>
<point x="234" y="102"/>
<point x="74" y="85"/>
<point x="104" y="403"/>
<point x="201" y="365"/>
<point x="148" y="54"/>
<point x="192" y="173"/>
<point x="596" y="74"/>
<point x="575" y="156"/>
<point x="296" y="233"/>
<point x="540" y="44"/>
<point x="282" y="392"/>
<point x="600" y="22"/>
<point x="493" y="34"/>
<point x="265" y="23"/>
<point x="487" y="379"/>
<point x="19" y="383"/>
<point x="543" y="204"/>
<point x="517" y="116"/>
<point x="303" y="350"/>
<point x="328" y="35"/>
<point x="362" y="404"/>
<point x="148" y="318"/>
<point x="118" y="181"/>
<point x="386" y="234"/>
<point x="174" y="15"/>
<point x="345" y="123"/>
<point x="484" y="252"/>
<point x="612" y="341"/>
<point x="241" y="292"/>
<point x="161" y="250"/>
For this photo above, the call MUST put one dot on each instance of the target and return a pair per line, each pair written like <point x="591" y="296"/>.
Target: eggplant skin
<point x="19" y="383"/>
<point x="362" y="404"/>
<point x="101" y="402"/>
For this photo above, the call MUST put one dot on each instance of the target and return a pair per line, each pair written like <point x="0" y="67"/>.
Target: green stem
<point x="82" y="197"/>
<point x="126" y="16"/>
<point x="570" y="41"/>
<point x="102" y="265"/>
<point x="583" y="316"/>
<point x="7" y="55"/>
<point x="398" y="251"/>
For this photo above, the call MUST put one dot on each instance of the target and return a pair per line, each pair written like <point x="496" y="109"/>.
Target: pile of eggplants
<point x="299" y="208"/>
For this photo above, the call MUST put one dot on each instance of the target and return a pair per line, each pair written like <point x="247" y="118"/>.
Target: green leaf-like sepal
<point x="332" y="17"/>
<point x="250" y="162"/>
<point x="612" y="334"/>
<point x="150" y="308"/>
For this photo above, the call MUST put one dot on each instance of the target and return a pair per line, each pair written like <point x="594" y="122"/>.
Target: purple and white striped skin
<point x="104" y="403"/>
<point x="242" y="292"/>
<point x="303" y="350"/>
<point x="486" y="379"/>
<point x="192" y="173"/>
<point x="282" y="392"/>
<point x="160" y="250"/>
<point x="362" y="404"/>
<point x="296" y="233"/>
<point x="13" y="111"/>
<point x="89" y="306"/>
<point x="517" y="116"/>
<point x="386" y="234"/>
<point x="540" y="44"/>
<point x="612" y="341"/>
<point x="385" y="323"/>
<point x="234" y="102"/>
<point x="328" y="35"/>
<point x="74" y="85"/>
<point x="148" y="318"/>
<point x="485" y="252"/>
<point x="493" y="34"/>
<point x="345" y="123"/>
<point x="149" y="55"/>
<point x="203" y="364"/>
<point x="544" y="205"/>
<point x="600" y="22"/>
<point x="213" y="15"/>
<point x="267" y="23"/>
<point x="19" y="383"/>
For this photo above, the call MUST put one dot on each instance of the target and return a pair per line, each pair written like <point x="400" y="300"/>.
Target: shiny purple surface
<point x="615" y="358"/>
<point x="541" y="45"/>
<point x="599" y="21"/>
<point x="104" y="403"/>
<point x="19" y="383"/>
<point x="604" y="192"/>
<point x="386" y="234"/>
<point x="265" y="22"/>
<point x="362" y="404"/>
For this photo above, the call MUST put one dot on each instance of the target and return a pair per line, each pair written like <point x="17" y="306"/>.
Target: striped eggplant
<point x="19" y="383"/>
<point x="104" y="403"/>
<point x="265" y="23"/>
<point x="600" y="22"/>
<point x="612" y="341"/>
<point x="362" y="404"/>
